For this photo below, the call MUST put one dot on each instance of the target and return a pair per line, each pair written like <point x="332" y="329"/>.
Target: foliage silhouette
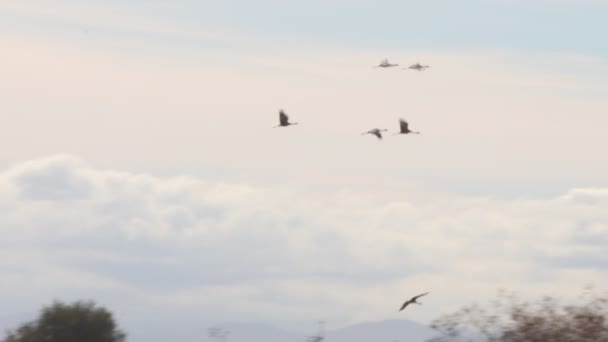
<point x="513" y="320"/>
<point x="76" y="322"/>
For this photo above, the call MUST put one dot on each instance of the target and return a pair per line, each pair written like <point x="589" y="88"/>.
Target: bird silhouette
<point x="377" y="132"/>
<point x="284" y="120"/>
<point x="418" y="67"/>
<point x="404" y="128"/>
<point x="385" y="64"/>
<point x="413" y="301"/>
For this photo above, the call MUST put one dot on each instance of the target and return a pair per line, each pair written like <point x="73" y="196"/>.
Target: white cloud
<point x="230" y="251"/>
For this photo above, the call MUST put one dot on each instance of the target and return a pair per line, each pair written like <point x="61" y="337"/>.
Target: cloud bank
<point x="151" y="247"/>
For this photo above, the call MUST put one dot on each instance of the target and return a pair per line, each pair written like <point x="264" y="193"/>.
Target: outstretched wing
<point x="405" y="305"/>
<point x="403" y="125"/>
<point x="283" y="118"/>
<point x="420" y="295"/>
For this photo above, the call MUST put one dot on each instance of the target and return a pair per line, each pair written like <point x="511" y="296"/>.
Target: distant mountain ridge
<point x="380" y="331"/>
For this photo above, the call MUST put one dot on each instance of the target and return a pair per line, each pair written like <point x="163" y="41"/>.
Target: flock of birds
<point x="403" y="129"/>
<point x="403" y="125"/>
<point x="386" y="64"/>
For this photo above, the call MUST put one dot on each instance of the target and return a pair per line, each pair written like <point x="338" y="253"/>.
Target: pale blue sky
<point x="535" y="26"/>
<point x="552" y="50"/>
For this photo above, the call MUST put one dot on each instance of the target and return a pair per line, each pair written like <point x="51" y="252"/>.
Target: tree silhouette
<point x="320" y="336"/>
<point x="218" y="333"/>
<point x="513" y="320"/>
<point x="77" y="322"/>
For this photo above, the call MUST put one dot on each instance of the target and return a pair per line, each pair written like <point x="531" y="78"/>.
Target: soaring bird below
<point x="418" y="67"/>
<point x="377" y="132"/>
<point x="412" y="301"/>
<point x="405" y="129"/>
<point x="284" y="120"/>
<point x="385" y="64"/>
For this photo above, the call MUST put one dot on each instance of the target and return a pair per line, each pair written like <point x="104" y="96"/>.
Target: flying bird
<point x="418" y="67"/>
<point x="405" y="129"/>
<point x="413" y="301"/>
<point x="284" y="120"/>
<point x="385" y="64"/>
<point x="377" y="132"/>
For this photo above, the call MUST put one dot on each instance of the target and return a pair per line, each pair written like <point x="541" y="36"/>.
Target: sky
<point x="139" y="166"/>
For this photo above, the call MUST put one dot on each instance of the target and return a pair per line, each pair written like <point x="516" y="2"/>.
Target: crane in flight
<point x="418" y="67"/>
<point x="377" y="132"/>
<point x="385" y="64"/>
<point x="412" y="301"/>
<point x="404" y="128"/>
<point x="284" y="120"/>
